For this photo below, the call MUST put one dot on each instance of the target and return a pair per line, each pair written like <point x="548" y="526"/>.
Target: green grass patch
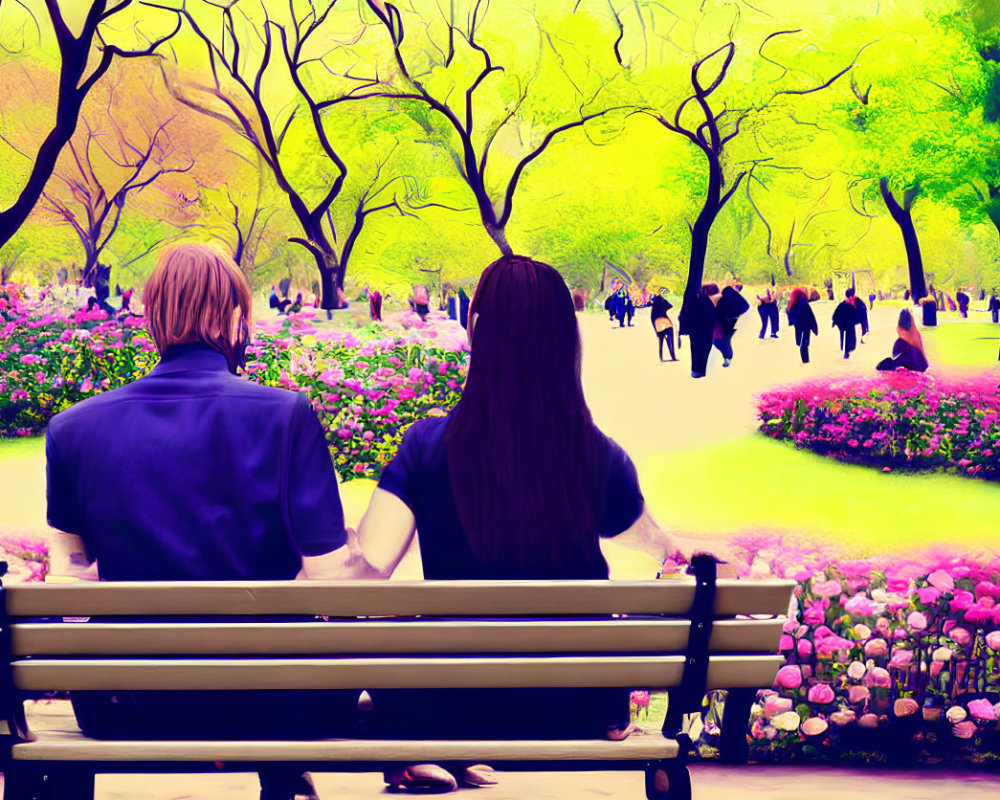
<point x="965" y="344"/>
<point x="757" y="484"/>
<point x="22" y="446"/>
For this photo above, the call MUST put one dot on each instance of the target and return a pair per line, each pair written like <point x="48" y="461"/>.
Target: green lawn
<point x="757" y="484"/>
<point x="24" y="446"/>
<point x="962" y="344"/>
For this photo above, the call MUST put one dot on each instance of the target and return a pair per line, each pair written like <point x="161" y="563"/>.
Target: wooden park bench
<point x="683" y="635"/>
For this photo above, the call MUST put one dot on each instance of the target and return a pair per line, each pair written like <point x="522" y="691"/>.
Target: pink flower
<point x="868" y="721"/>
<point x="993" y="640"/>
<point x="941" y="580"/>
<point x="856" y="670"/>
<point x="789" y="677"/>
<point x="814" y="726"/>
<point x="774" y="705"/>
<point x="821" y="694"/>
<point x="843" y="717"/>
<point x="900" y="657"/>
<point x="964" y="730"/>
<point x="857" y="694"/>
<point x="905" y="707"/>
<point x="928" y="595"/>
<point x="960" y="636"/>
<point x="862" y="631"/>
<point x="786" y="643"/>
<point x="956" y="714"/>
<point x="982" y="710"/>
<point x="877" y="676"/>
<point x="917" y="621"/>
<point x="830" y="588"/>
<point x="804" y="648"/>
<point x="876" y="647"/>
<point x="861" y="606"/>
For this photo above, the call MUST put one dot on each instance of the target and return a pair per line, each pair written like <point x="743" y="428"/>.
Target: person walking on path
<point x="729" y="307"/>
<point x="767" y="309"/>
<point x="994" y="308"/>
<point x="663" y="325"/>
<point x="859" y="305"/>
<point x="697" y="320"/>
<point x="802" y="319"/>
<point x="963" y="303"/>
<point x="845" y="319"/>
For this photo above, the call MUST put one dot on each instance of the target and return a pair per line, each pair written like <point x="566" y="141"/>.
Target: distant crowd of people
<point x="710" y="316"/>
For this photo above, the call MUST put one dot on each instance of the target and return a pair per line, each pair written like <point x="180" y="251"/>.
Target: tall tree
<point x="91" y="189"/>
<point x="76" y="79"/>
<point x="901" y="156"/>
<point x="266" y="74"/>
<point x="710" y="129"/>
<point x="450" y="54"/>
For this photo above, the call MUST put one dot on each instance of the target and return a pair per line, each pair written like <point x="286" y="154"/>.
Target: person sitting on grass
<point x="516" y="482"/>
<point x="204" y="476"/>
<point x="908" y="351"/>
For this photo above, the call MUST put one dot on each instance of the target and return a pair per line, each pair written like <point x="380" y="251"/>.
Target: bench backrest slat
<point x="386" y="636"/>
<point x="371" y="598"/>
<point x="652" y="672"/>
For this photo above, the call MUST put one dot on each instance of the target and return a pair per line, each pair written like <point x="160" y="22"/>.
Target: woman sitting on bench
<point x="515" y="483"/>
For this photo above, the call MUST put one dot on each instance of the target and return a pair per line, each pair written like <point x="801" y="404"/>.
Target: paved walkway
<point x="711" y="782"/>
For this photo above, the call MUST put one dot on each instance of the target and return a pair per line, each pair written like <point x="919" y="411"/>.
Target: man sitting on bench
<point x="192" y="473"/>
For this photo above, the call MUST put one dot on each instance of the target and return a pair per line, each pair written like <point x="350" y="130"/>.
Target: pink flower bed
<point x="893" y="420"/>
<point x="886" y="657"/>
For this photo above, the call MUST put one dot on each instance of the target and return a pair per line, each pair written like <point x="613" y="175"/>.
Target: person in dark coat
<point x="802" y="319"/>
<point x="629" y="306"/>
<point x="729" y="307"/>
<point x="463" y="307"/>
<point x="908" y="351"/>
<point x="845" y="318"/>
<point x="697" y="320"/>
<point x="994" y="308"/>
<point x="662" y="324"/>
<point x="871" y="300"/>
<point x="963" y="304"/>
<point x="767" y="309"/>
<point x="296" y="307"/>
<point x="859" y="305"/>
<point x="621" y="305"/>
<point x="187" y="489"/>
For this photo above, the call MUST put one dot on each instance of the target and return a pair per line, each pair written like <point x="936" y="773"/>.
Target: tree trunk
<point x="904" y="219"/>
<point x="328" y="288"/>
<point x="499" y="237"/>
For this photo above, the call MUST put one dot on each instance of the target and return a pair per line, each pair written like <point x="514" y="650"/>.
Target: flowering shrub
<point x="887" y="658"/>
<point x="899" y="419"/>
<point x="365" y="388"/>
<point x="30" y="550"/>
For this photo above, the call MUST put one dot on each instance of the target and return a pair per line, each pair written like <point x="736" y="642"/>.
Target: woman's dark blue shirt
<point x="419" y="476"/>
<point x="192" y="473"/>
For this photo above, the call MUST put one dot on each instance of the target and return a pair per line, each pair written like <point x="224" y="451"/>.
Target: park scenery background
<point x="362" y="146"/>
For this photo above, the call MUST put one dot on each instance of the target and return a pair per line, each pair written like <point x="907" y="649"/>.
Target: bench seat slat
<point x="647" y="672"/>
<point x="455" y="637"/>
<point x="74" y="746"/>
<point x="406" y="598"/>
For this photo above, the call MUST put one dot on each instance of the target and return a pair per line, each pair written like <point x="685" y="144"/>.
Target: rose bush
<point x="903" y="661"/>
<point x="367" y="388"/>
<point x="894" y="420"/>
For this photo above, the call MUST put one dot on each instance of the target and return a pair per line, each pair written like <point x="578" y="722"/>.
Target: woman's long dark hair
<point x="521" y="445"/>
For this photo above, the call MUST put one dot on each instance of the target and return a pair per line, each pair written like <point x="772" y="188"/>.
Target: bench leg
<point x="48" y="782"/>
<point x="733" y="745"/>
<point x="668" y="780"/>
